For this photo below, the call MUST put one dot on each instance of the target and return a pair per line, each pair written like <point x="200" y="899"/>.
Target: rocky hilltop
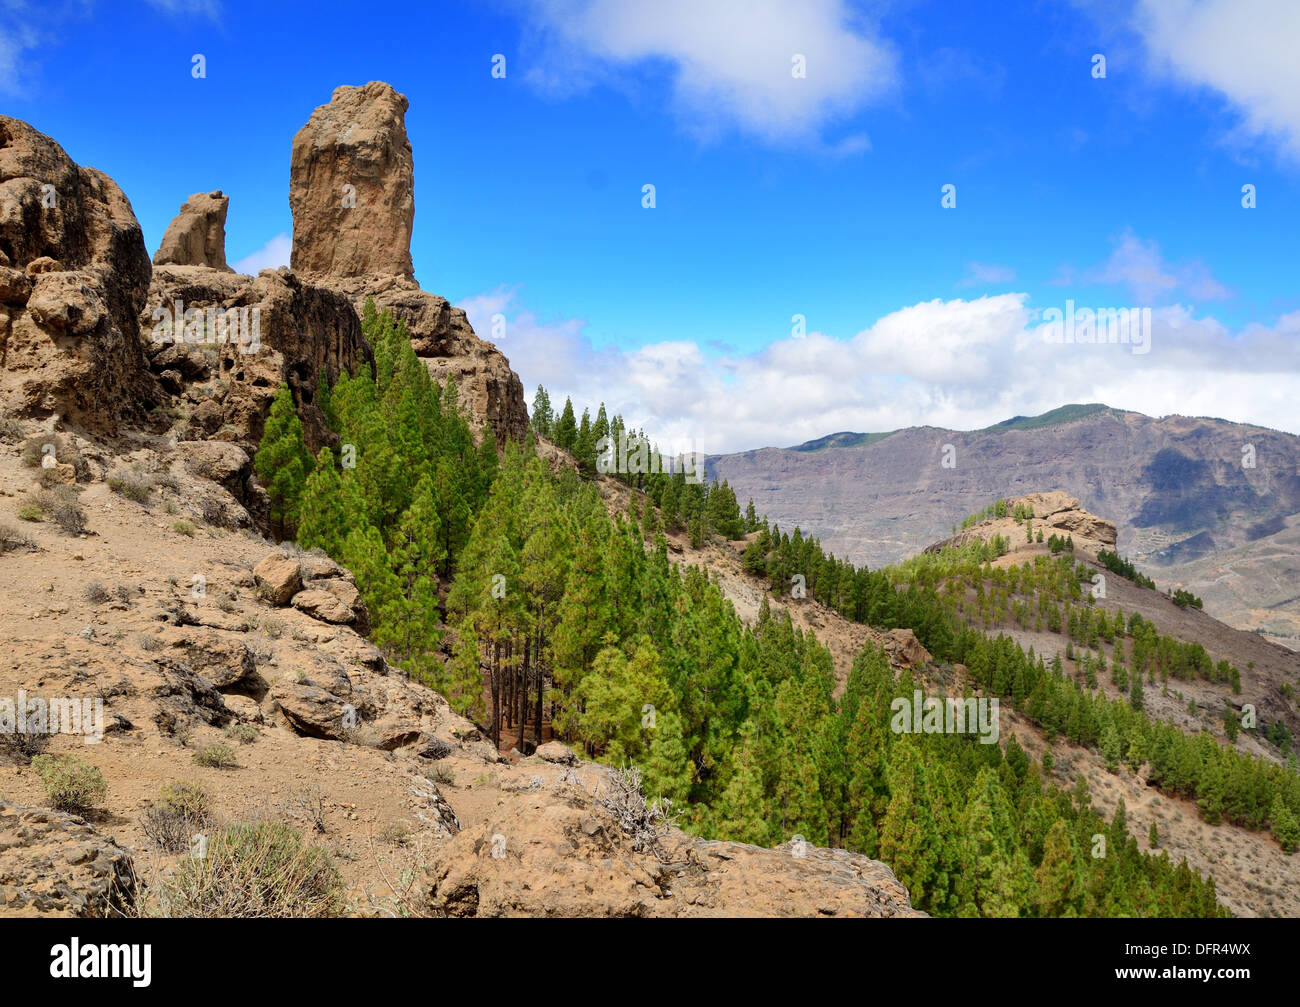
<point x="1194" y="500"/>
<point x="1055" y="513"/>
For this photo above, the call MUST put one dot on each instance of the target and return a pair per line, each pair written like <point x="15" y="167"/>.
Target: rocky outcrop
<point x="279" y="577"/>
<point x="552" y="850"/>
<point x="1055" y="513"/>
<point x="1063" y="513"/>
<point x="904" y="649"/>
<point x="197" y="235"/>
<point x="314" y="585"/>
<point x="357" y="241"/>
<point x="557" y="752"/>
<point x="54" y="864"/>
<point x="74" y="275"/>
<point x="352" y="186"/>
<point x="224" y="343"/>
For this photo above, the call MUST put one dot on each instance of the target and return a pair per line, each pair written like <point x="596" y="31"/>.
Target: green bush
<point x="132" y="487"/>
<point x="254" y="872"/>
<point x="245" y="734"/>
<point x="216" y="756"/>
<point x="31" y="512"/>
<point x="183" y="528"/>
<point x="70" y="783"/>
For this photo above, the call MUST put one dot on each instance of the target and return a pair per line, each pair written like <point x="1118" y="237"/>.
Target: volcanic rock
<point x="197" y="235"/>
<point x="69" y="334"/>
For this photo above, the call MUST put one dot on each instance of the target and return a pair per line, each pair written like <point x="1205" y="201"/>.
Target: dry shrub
<point x="181" y="810"/>
<point x="645" y="822"/>
<point x="253" y="872"/>
<point x="13" y="540"/>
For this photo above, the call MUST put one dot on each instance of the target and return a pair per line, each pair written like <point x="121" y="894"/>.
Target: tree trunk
<point x="523" y="694"/>
<point x="495" y="681"/>
<point x="541" y="680"/>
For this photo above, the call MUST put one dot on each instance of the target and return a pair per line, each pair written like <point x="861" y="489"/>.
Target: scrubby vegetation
<point x="70" y="784"/>
<point x="252" y="872"/>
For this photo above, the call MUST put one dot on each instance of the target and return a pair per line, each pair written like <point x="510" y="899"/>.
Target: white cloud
<point x="272" y="255"/>
<point x="1244" y="49"/>
<point x="730" y="62"/>
<point x="981" y="274"/>
<point x="961" y="364"/>
<point x="19" y="43"/>
<point x="179" y="8"/>
<point x="1140" y="267"/>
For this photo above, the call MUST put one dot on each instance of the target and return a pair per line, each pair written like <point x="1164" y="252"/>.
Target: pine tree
<point x="323" y="521"/>
<point x="453" y="514"/>
<point x="1055" y="878"/>
<point x="740" y="813"/>
<point x="566" y="427"/>
<point x="543" y="417"/>
<point x="415" y="554"/>
<point x="1285" y="828"/>
<point x="282" y="462"/>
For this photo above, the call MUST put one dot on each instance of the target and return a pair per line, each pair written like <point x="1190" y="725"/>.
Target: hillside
<point x="1189" y="496"/>
<point x="330" y="588"/>
<point x="225" y="690"/>
<point x="1250" y="871"/>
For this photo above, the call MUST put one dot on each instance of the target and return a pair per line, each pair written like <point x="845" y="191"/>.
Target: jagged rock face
<point x="73" y="278"/>
<point x="352" y="186"/>
<point x="54" y="864"/>
<point x="296" y="333"/>
<point x="364" y="250"/>
<point x="197" y="235"/>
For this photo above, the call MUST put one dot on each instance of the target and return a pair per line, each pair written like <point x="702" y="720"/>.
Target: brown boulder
<point x="323" y="605"/>
<point x="905" y="650"/>
<point x="311" y="710"/>
<point x="223" y="661"/>
<point x="555" y="751"/>
<point x="547" y="853"/>
<point x="197" y="235"/>
<point x="279" y="576"/>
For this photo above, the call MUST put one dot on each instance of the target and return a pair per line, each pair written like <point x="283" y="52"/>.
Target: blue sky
<point x="775" y="195"/>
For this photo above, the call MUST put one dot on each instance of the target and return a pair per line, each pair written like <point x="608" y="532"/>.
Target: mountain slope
<point x="1181" y="491"/>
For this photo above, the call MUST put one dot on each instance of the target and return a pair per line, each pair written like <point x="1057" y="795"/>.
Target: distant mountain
<point x="1197" y="501"/>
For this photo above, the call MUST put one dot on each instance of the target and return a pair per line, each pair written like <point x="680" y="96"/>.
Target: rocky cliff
<point x="74" y="275"/>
